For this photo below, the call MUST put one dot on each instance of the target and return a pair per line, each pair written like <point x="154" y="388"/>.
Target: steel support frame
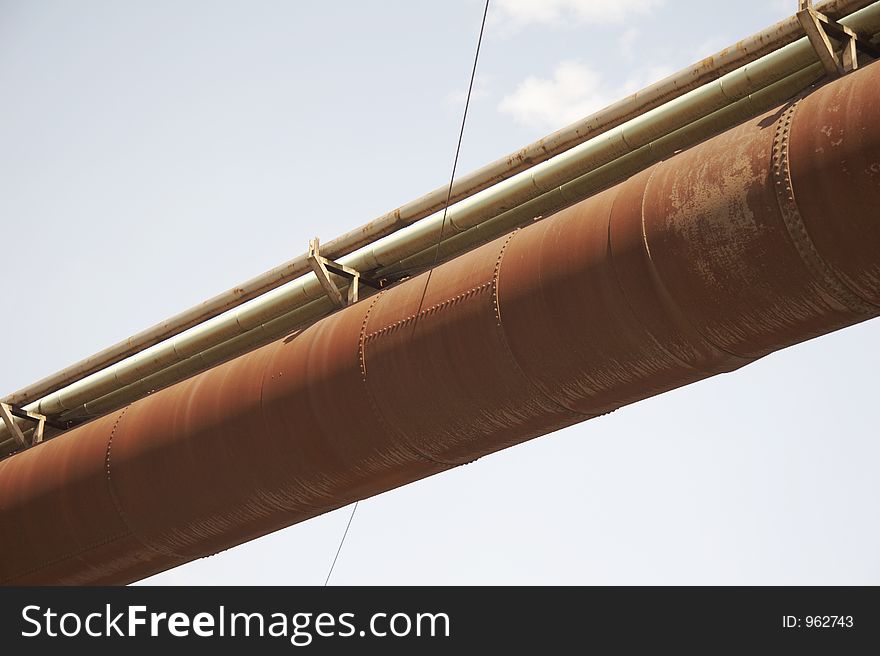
<point x="820" y="29"/>
<point x="323" y="266"/>
<point x="8" y="413"/>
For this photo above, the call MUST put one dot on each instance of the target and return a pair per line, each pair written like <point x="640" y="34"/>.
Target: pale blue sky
<point x="155" y="153"/>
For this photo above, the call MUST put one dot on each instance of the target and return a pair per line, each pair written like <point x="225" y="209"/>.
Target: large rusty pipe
<point x="759" y="238"/>
<point x="470" y="223"/>
<point x="711" y="68"/>
<point x="452" y="244"/>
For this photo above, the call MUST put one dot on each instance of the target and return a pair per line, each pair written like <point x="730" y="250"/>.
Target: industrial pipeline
<point x="759" y="238"/>
<point x="565" y="167"/>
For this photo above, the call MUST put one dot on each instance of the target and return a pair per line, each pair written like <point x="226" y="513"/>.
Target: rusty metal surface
<point x="835" y="177"/>
<point x="757" y="239"/>
<point x="710" y="68"/>
<point x="586" y="317"/>
<point x="443" y="378"/>
<point x="719" y="243"/>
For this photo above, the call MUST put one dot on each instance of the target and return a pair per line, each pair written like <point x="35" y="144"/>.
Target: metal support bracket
<point x="820" y="29"/>
<point x="8" y="414"/>
<point x="323" y="267"/>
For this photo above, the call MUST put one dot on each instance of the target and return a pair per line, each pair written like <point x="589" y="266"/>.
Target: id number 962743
<point x="818" y="622"/>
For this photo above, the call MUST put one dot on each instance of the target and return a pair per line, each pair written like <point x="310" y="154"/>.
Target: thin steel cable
<point x="341" y="542"/>
<point x="467" y="103"/>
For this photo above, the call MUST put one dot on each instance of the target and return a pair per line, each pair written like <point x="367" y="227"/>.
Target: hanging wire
<point x="467" y="103"/>
<point x="341" y="542"/>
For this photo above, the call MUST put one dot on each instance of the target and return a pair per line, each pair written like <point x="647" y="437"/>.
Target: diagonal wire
<point x="341" y="542"/>
<point x="467" y="103"/>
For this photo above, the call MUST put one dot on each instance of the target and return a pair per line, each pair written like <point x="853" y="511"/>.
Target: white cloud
<point x="574" y="91"/>
<point x="518" y="13"/>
